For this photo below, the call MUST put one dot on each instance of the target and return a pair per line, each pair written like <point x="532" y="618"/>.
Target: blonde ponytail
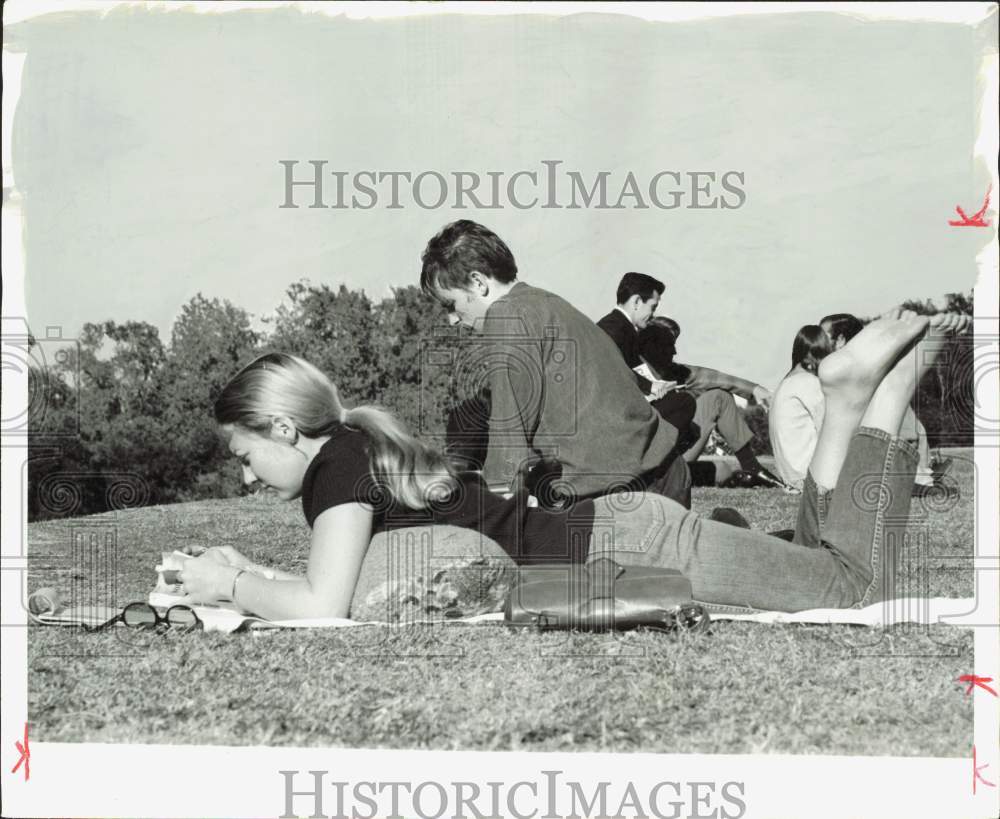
<point x="277" y="384"/>
<point x="413" y="472"/>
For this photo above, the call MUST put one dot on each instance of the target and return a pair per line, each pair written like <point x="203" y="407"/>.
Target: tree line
<point x="122" y="419"/>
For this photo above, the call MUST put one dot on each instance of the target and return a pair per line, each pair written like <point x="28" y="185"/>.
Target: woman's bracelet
<point x="236" y="577"/>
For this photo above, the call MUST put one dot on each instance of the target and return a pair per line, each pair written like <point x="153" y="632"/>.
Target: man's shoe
<point x="940" y="467"/>
<point x="764" y="477"/>
<point x="741" y="479"/>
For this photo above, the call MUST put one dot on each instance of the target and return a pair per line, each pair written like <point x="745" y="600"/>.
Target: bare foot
<point x="923" y="351"/>
<point x="851" y="375"/>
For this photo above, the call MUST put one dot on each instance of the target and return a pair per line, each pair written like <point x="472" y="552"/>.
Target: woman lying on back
<point x="359" y="472"/>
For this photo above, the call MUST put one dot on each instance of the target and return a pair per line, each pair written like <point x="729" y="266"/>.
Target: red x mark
<point x="25" y="752"/>
<point x="973" y="681"/>
<point x="978" y="219"/>
<point x="975" y="772"/>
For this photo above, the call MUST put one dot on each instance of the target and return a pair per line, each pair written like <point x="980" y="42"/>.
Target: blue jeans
<point x="740" y="570"/>
<point x="814" y="506"/>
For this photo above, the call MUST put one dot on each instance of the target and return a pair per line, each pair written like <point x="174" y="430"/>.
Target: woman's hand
<point x="227" y="556"/>
<point x="762" y="396"/>
<point x="206" y="580"/>
<point x="661" y="388"/>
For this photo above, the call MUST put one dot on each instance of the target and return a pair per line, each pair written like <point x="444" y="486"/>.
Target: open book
<point x="659" y="388"/>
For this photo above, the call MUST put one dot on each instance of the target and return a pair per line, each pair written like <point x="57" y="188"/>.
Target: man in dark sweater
<point x="562" y="404"/>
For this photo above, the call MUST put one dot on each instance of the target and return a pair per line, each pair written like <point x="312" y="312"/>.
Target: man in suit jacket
<point x="638" y="297"/>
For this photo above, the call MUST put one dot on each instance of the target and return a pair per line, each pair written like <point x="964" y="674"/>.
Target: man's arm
<point x="705" y="378"/>
<point x="513" y="353"/>
<point x="625" y="340"/>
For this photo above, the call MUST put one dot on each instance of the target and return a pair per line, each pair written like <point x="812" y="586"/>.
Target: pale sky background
<point x="146" y="146"/>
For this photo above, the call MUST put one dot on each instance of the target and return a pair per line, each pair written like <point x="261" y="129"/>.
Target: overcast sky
<point x="147" y="148"/>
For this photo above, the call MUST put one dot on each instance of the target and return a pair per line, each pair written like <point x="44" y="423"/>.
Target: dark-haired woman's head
<point x="811" y="345"/>
<point x="841" y="328"/>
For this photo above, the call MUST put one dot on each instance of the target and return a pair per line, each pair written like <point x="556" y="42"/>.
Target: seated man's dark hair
<point x="667" y="324"/>
<point x="657" y="347"/>
<point x="842" y="324"/>
<point x="811" y="346"/>
<point x="638" y="283"/>
<point x="460" y="248"/>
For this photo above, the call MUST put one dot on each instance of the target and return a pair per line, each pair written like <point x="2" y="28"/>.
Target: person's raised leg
<point x="913" y="431"/>
<point x="849" y="378"/>
<point x="847" y="400"/>
<point x="891" y="400"/>
<point x="869" y="509"/>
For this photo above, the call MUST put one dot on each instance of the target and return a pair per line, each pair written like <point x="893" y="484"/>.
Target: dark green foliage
<point x="411" y="336"/>
<point x="372" y="351"/>
<point x="945" y="399"/>
<point x="120" y="409"/>
<point x="141" y="414"/>
<point x="756" y="418"/>
<point x="333" y="330"/>
<point x="93" y="422"/>
<point x="209" y="342"/>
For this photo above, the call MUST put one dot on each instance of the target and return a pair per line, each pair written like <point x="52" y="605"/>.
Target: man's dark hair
<point x="811" y="346"/>
<point x="843" y="324"/>
<point x="657" y="346"/>
<point x="460" y="248"/>
<point x="638" y="284"/>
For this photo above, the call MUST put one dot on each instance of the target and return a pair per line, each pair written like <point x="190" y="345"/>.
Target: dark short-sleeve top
<point x="341" y="473"/>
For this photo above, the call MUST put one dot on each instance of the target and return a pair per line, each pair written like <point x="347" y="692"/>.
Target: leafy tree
<point x="333" y="330"/>
<point x="412" y="345"/>
<point x="117" y="365"/>
<point x="107" y="382"/>
<point x="210" y="341"/>
<point x="944" y="401"/>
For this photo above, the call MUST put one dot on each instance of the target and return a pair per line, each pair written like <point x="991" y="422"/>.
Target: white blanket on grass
<point x="921" y="610"/>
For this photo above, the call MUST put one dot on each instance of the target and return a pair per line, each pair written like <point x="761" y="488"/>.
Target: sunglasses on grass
<point x="144" y="616"/>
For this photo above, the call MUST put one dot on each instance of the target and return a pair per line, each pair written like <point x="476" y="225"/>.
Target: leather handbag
<point x="602" y="596"/>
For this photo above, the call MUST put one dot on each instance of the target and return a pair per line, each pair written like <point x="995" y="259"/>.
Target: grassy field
<point x="742" y="688"/>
